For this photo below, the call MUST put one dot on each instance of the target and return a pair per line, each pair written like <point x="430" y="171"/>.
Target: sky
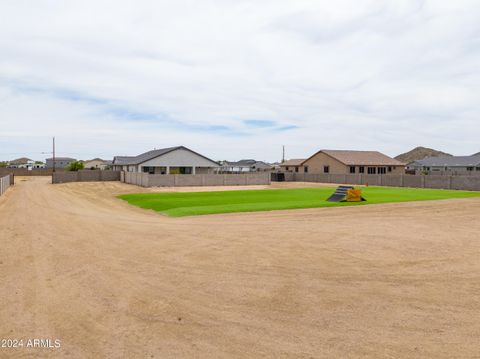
<point x="237" y="79"/>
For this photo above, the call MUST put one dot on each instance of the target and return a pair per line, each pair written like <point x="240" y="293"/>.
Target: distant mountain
<point x="419" y="153"/>
<point x="476" y="154"/>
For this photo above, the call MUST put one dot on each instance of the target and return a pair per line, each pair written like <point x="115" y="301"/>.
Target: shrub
<point x="75" y="166"/>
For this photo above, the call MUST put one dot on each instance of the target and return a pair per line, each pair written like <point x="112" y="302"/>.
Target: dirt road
<point x="111" y="280"/>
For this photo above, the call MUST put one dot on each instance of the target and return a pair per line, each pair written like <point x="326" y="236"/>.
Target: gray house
<point x="244" y="166"/>
<point x="60" y="162"/>
<point x="466" y="165"/>
<point x="172" y="160"/>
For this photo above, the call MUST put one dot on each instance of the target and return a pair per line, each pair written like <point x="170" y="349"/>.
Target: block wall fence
<point x="5" y="183"/>
<point x="85" y="176"/>
<point x="26" y="172"/>
<point x="467" y="183"/>
<point x="148" y="180"/>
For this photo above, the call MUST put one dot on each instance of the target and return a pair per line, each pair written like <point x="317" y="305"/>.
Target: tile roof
<point x="361" y="158"/>
<point x="135" y="160"/>
<point x="61" y="159"/>
<point x="247" y="163"/>
<point x="241" y="163"/>
<point x="293" y="162"/>
<point x="20" y="161"/>
<point x="450" y="161"/>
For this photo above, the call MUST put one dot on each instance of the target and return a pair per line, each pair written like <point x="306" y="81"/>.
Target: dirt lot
<point x="111" y="280"/>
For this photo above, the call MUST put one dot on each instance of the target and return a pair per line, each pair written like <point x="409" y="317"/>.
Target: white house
<point x="173" y="160"/>
<point x="25" y="163"/>
<point x="243" y="166"/>
<point x="468" y="165"/>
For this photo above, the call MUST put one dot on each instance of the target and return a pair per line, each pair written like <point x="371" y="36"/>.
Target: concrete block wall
<point x="354" y="179"/>
<point x="215" y="180"/>
<point x="64" y="177"/>
<point x="371" y="180"/>
<point x="148" y="180"/>
<point x="392" y="181"/>
<point x="25" y="172"/>
<point x="413" y="181"/>
<point x="5" y="183"/>
<point x="467" y="183"/>
<point x="109" y="175"/>
<point x="85" y="176"/>
<point x="88" y="176"/>
<point x="438" y="182"/>
<point x="186" y="180"/>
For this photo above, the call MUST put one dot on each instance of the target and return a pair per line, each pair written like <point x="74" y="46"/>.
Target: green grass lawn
<point x="180" y="204"/>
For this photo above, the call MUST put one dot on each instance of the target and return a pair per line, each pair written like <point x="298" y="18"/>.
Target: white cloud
<point x="121" y="77"/>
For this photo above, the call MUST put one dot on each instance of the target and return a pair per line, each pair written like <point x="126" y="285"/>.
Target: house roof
<point x="136" y="160"/>
<point x="293" y="162"/>
<point x="360" y="158"/>
<point x="61" y="159"/>
<point x="20" y="161"/>
<point x="247" y="163"/>
<point x="240" y="163"/>
<point x="105" y="162"/>
<point x="123" y="160"/>
<point x="450" y="161"/>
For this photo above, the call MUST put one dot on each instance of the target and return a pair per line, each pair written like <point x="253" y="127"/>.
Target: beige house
<point x="97" y="163"/>
<point x="346" y="162"/>
<point x="293" y="165"/>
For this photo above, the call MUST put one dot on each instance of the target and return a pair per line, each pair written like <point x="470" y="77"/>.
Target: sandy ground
<point x="114" y="281"/>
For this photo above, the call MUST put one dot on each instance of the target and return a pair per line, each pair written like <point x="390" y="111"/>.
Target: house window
<point x="286" y="168"/>
<point x="326" y="169"/>
<point x="305" y="169"/>
<point x="180" y="170"/>
<point x="469" y="168"/>
<point x="371" y="170"/>
<point x="389" y="169"/>
<point x="382" y="170"/>
<point x="150" y="170"/>
<point x="352" y="169"/>
<point x="478" y="168"/>
<point x="361" y="169"/>
<point x="296" y="169"/>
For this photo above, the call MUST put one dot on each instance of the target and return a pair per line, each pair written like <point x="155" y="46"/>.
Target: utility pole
<point x="53" y="153"/>
<point x="283" y="154"/>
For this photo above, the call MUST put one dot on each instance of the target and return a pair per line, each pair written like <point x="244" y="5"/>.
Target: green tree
<point x="75" y="166"/>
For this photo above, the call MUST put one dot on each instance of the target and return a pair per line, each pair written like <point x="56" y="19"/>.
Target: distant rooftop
<point x="450" y="161"/>
<point x="247" y="163"/>
<point x="293" y="162"/>
<point x="61" y="159"/>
